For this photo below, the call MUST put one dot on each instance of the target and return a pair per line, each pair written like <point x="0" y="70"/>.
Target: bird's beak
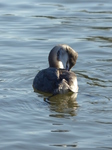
<point x="67" y="67"/>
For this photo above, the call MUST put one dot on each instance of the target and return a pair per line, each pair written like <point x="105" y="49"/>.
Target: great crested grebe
<point x="58" y="78"/>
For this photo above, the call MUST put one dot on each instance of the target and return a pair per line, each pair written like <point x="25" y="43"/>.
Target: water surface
<point x="28" y="31"/>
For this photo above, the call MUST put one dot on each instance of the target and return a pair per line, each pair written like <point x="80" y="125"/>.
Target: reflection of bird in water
<point x="64" y="103"/>
<point x="58" y="78"/>
<point x="61" y="104"/>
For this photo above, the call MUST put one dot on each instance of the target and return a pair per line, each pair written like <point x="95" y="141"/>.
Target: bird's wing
<point x="45" y="80"/>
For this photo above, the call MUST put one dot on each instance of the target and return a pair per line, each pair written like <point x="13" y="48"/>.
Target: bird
<point x="58" y="77"/>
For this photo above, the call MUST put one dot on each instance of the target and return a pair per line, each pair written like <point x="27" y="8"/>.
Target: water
<point x="28" y="31"/>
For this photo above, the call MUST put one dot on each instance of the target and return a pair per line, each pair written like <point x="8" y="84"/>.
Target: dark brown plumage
<point x="58" y="78"/>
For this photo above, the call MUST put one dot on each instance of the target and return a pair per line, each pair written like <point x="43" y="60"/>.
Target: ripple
<point x="98" y="12"/>
<point x="65" y="145"/>
<point x="91" y="78"/>
<point x="59" y="130"/>
<point x="100" y="38"/>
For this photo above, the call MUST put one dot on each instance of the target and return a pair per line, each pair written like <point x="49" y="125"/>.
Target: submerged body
<point x="58" y="78"/>
<point x="52" y="80"/>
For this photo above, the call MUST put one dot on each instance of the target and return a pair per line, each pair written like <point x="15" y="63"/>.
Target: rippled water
<point x="28" y="31"/>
